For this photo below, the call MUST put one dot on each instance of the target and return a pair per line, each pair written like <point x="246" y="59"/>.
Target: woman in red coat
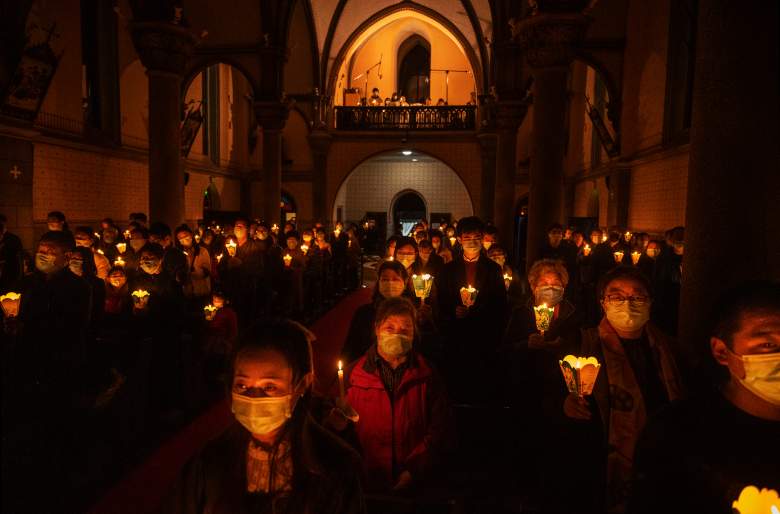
<point x="405" y="419"/>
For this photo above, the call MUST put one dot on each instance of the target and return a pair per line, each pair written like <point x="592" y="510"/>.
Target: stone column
<point x="272" y="115"/>
<point x="549" y="41"/>
<point x="164" y="49"/>
<point x="320" y="141"/>
<point x="510" y="115"/>
<point x="733" y="198"/>
<point x="488" y="143"/>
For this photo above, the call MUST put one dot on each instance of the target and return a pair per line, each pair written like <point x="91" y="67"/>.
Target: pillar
<point x="509" y="117"/>
<point x="320" y="141"/>
<point x="164" y="49"/>
<point x="272" y="116"/>
<point x="488" y="143"/>
<point x="549" y="41"/>
<point x="733" y="200"/>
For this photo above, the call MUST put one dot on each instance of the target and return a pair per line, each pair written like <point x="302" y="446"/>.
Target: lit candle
<point x="210" y="311"/>
<point x="341" y="381"/>
<point x="365" y="225"/>
<point x="453" y="240"/>
<point x="468" y="295"/>
<point x="604" y="238"/>
<point x="186" y="253"/>
<point x="287" y="260"/>
<point x="751" y="500"/>
<point x="618" y="256"/>
<point x="121" y="247"/>
<point x="197" y="238"/>
<point x="120" y="262"/>
<point x="507" y="280"/>
<point x="305" y="249"/>
<point x="10" y="304"/>
<point x="349" y="243"/>
<point x="422" y="286"/>
<point x="275" y="228"/>
<point x="543" y="315"/>
<point x="127" y="234"/>
<point x="219" y="257"/>
<point x="337" y="233"/>
<point x="101" y="252"/>
<point x="635" y="257"/>
<point x="586" y="250"/>
<point x="231" y="248"/>
<point x="140" y="298"/>
<point x="97" y="234"/>
<point x="391" y="258"/>
<point x="579" y="373"/>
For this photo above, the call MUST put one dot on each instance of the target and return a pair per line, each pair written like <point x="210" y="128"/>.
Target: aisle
<point x="143" y="489"/>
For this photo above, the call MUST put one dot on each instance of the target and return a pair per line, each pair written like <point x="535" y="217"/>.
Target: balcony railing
<point x="425" y="117"/>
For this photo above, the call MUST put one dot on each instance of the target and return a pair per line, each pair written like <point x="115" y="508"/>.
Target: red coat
<point x="411" y="431"/>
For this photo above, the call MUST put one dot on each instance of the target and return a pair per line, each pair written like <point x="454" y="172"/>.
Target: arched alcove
<point x="414" y="69"/>
<point x="407" y="208"/>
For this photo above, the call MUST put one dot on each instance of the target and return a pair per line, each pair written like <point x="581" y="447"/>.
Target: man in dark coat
<point x="10" y="257"/>
<point x="471" y="333"/>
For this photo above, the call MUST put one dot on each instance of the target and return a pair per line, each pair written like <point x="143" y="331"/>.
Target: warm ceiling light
<point x="407" y="152"/>
<point x="414" y="160"/>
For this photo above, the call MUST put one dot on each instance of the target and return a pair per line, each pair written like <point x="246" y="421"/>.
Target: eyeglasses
<point x="619" y="299"/>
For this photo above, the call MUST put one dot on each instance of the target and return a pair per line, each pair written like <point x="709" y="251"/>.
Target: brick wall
<point x="87" y="186"/>
<point x="658" y="193"/>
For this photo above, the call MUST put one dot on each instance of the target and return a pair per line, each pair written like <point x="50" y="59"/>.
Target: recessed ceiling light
<point x="407" y="152"/>
<point x="414" y="160"/>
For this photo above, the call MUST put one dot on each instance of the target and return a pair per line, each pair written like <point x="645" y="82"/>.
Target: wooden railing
<point x="451" y="117"/>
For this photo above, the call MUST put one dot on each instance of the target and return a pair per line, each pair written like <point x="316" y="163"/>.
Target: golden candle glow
<point x="305" y="249"/>
<point x="627" y="236"/>
<point x="140" y="298"/>
<point x="754" y="501"/>
<point x="544" y="316"/>
<point x="604" y="238"/>
<point x="341" y="380"/>
<point x="101" y="252"/>
<point x="287" y="260"/>
<point x="10" y="304"/>
<point x="635" y="257"/>
<point x="121" y="247"/>
<point x="210" y="311"/>
<point x="119" y="261"/>
<point x="127" y="234"/>
<point x="97" y="234"/>
<point x="231" y="248"/>
<point x="586" y="250"/>
<point x="337" y="233"/>
<point x="275" y="228"/>
<point x="468" y="295"/>
<point x="219" y="257"/>
<point x="579" y="373"/>
<point x="618" y="256"/>
<point x="507" y="280"/>
<point x="453" y="240"/>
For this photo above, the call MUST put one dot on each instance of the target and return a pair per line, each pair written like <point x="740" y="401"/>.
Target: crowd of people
<point x="453" y="331"/>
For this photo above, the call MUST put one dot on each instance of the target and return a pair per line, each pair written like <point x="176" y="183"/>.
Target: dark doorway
<point x="408" y="209"/>
<point x="414" y="70"/>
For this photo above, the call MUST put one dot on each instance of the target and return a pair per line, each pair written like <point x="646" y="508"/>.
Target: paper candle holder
<point x="210" y="311"/>
<point x="140" y="298"/>
<point x="507" y="280"/>
<point x="305" y="249"/>
<point x="453" y="240"/>
<point x="544" y="316"/>
<point x="468" y="295"/>
<point x="754" y="501"/>
<point x="10" y="304"/>
<point x="231" y="248"/>
<point x="422" y="285"/>
<point x="618" y="256"/>
<point x="121" y="247"/>
<point x="119" y="262"/>
<point x="635" y="258"/>
<point x="287" y="260"/>
<point x="580" y="374"/>
<point x="586" y="250"/>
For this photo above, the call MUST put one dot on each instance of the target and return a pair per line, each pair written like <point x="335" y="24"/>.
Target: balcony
<point x="423" y="117"/>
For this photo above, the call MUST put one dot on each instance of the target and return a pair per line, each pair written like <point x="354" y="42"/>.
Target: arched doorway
<point x="414" y="69"/>
<point x="408" y="208"/>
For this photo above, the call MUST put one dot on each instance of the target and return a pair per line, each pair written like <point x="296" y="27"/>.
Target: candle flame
<point x="341" y="367"/>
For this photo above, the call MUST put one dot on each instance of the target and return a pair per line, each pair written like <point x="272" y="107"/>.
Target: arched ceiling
<point x="336" y="20"/>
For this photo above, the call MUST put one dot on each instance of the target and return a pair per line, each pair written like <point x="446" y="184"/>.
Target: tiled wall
<point x="658" y="193"/>
<point x="87" y="186"/>
<point x="229" y="194"/>
<point x="373" y="186"/>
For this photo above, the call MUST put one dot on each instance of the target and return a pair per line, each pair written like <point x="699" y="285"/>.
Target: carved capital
<point x="272" y="115"/>
<point x="550" y="40"/>
<point x="163" y="47"/>
<point x="510" y="114"/>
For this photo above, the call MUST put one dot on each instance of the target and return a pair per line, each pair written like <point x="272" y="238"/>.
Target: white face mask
<point x="551" y="295"/>
<point x="487" y="244"/>
<point x="262" y="415"/>
<point x="627" y="317"/>
<point x="762" y="375"/>
<point x="394" y="345"/>
<point x="406" y="261"/>
<point x="391" y="288"/>
<point x="46" y="263"/>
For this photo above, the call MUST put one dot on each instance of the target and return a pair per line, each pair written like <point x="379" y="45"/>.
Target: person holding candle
<point x="139" y="237"/>
<point x="471" y="334"/>
<point x="402" y="403"/>
<point x="293" y="275"/>
<point x="696" y="455"/>
<point x="85" y="238"/>
<point x="513" y="279"/>
<point x="429" y="261"/>
<point x="174" y="261"/>
<point x="276" y="457"/>
<point x="197" y="285"/>
<point x="391" y="282"/>
<point x="439" y="247"/>
<point x="639" y="376"/>
<point x="244" y="275"/>
<point x="556" y="247"/>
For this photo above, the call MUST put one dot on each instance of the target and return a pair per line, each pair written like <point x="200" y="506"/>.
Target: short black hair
<point x="160" y="229"/>
<point x="624" y="272"/>
<point x="141" y="230"/>
<point x="395" y="306"/>
<point x="83" y="229"/>
<point x="554" y="226"/>
<point x="153" y="248"/>
<point x="58" y="215"/>
<point x="62" y="240"/>
<point x="284" y="336"/>
<point x="759" y="296"/>
<point x="292" y="233"/>
<point x="405" y="241"/>
<point x="470" y="224"/>
<point x="183" y="228"/>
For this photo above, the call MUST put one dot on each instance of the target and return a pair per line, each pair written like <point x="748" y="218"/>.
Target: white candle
<point x="341" y="381"/>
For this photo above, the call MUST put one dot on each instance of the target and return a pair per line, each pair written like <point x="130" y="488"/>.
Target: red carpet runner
<point x="143" y="489"/>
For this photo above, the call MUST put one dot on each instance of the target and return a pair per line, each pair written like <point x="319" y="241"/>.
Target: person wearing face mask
<point x="406" y="254"/>
<point x="490" y="238"/>
<point x="44" y="368"/>
<point x="439" y="248"/>
<point x="276" y="456"/>
<point x="402" y="403"/>
<point x="430" y="262"/>
<point x="649" y="256"/>
<point x="516" y="286"/>
<point x="84" y="238"/>
<point x="249" y="275"/>
<point x="139" y="237"/>
<point x="391" y="283"/>
<point x="698" y="455"/>
<point x="81" y="263"/>
<point x="292" y="283"/>
<point x="197" y="286"/>
<point x="174" y="261"/>
<point x="556" y="247"/>
<point x="118" y="303"/>
<point x="638" y="377"/>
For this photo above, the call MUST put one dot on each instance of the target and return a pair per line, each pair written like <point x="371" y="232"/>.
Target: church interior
<point x="245" y="172"/>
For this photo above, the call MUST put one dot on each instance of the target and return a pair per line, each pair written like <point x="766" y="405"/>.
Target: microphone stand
<point x="447" y="82"/>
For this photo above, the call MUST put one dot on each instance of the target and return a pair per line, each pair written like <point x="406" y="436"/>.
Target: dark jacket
<point x="326" y="477"/>
<point x="361" y="332"/>
<point x="10" y="260"/>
